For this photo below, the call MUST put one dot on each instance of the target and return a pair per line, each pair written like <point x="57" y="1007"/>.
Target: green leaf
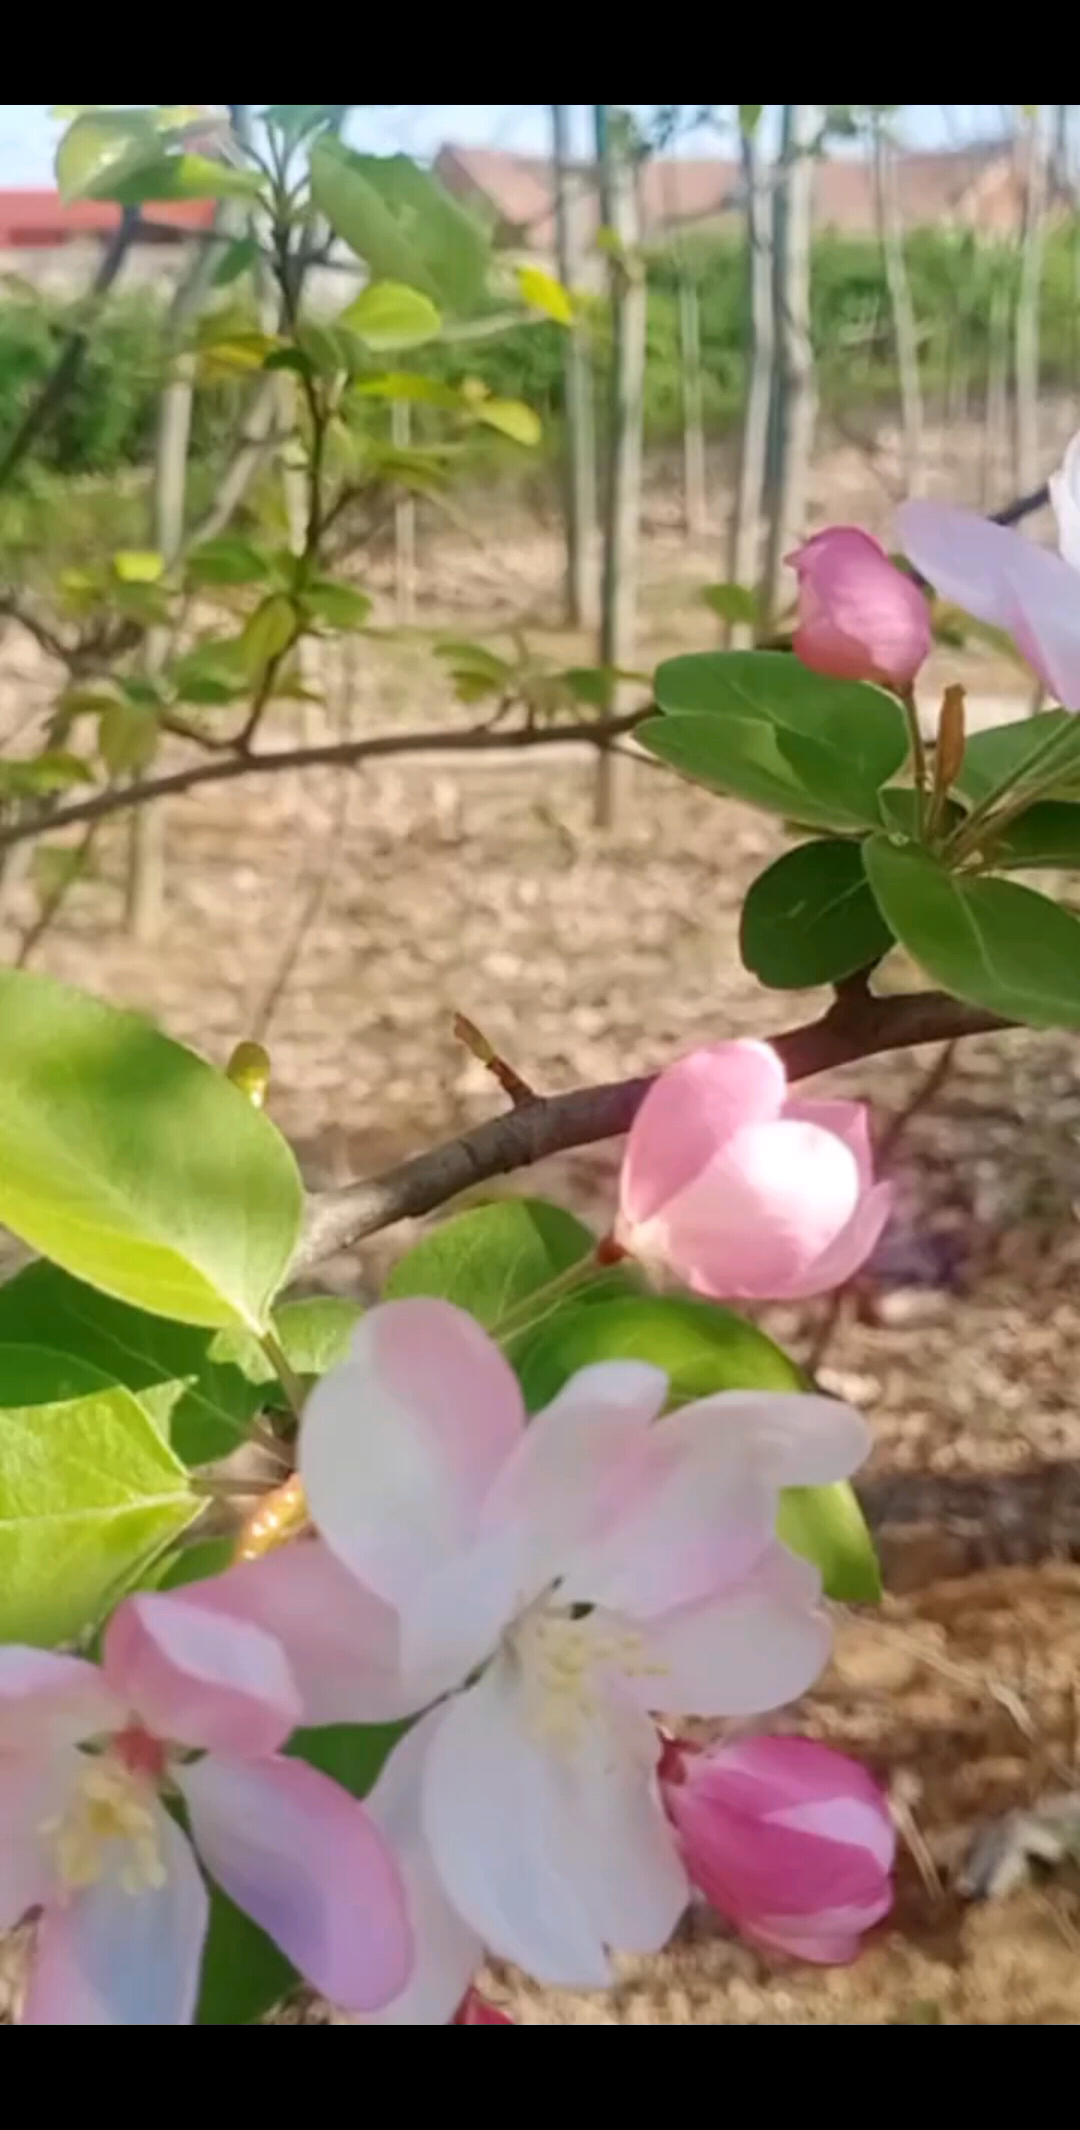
<point x="749" y="118"/>
<point x="990" y="942"/>
<point x="228" y="560"/>
<point x="1048" y="834"/>
<point x="236" y="258"/>
<point x="826" y="1526"/>
<point x="37" y="775"/>
<point x="243" y="1973"/>
<point x="1005" y="751"/>
<point x="135" y="1165"/>
<point x="402" y="223"/>
<point x="184" y="177"/>
<point x="297" y="121"/>
<point x="138" y="565"/>
<point x="388" y="315"/>
<point x="761" y="726"/>
<point x="202" y="1388"/>
<point x="512" y="418"/>
<point x="99" y="149"/>
<point x="733" y="602"/>
<point x="127" y="738"/>
<point x="543" y="293"/>
<point x="491" y="1259"/>
<point x="313" y="1333"/>
<point x="900" y="810"/>
<point x="404" y="384"/>
<point x="89" y="1493"/>
<point x="339" y="606"/>
<point x="703" y="1350"/>
<point x="213" y="673"/>
<point x="273" y="628"/>
<point x="812" y="919"/>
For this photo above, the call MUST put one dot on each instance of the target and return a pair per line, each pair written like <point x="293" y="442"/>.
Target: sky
<point x="28" y="135"/>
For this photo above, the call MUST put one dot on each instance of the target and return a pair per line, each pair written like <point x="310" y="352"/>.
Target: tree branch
<point x="854" y="1027"/>
<point x="332" y="754"/>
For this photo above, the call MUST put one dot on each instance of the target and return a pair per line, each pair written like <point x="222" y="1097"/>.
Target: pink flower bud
<point x="475" y="2010"/>
<point x="860" y="618"/>
<point x="743" y="1193"/>
<point x="792" y="1843"/>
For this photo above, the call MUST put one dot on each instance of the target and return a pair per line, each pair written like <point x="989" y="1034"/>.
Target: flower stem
<point x="918" y="755"/>
<point x="286" y="1375"/>
<point x="524" y="1315"/>
<point x="968" y="834"/>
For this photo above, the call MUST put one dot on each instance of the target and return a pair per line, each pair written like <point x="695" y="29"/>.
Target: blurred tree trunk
<point x="996" y="426"/>
<point x="579" y="445"/>
<point x="695" y="507"/>
<point x="404" y="520"/>
<point x="1033" y="157"/>
<point x="745" y="556"/>
<point x="905" y="335"/>
<point x="622" y="484"/>
<point x="791" y="430"/>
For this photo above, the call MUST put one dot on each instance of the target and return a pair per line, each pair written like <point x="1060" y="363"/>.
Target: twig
<point x="308" y="916"/>
<point x="329" y="754"/>
<point x="511" y="1082"/>
<point x="555" y="1124"/>
<point x="52" y="904"/>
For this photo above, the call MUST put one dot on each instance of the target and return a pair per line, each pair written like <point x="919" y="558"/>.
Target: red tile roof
<point x="35" y="219"/>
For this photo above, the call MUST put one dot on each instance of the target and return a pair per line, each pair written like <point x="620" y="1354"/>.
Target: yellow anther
<point x="110" y="1809"/>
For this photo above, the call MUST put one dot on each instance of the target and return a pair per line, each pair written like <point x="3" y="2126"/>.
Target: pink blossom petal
<point x="48" y="1700"/>
<point x="448" y="1952"/>
<point x="108" y="1957"/>
<point x="804" y="1784"/>
<point x="828" y="1942"/>
<point x="476" y="2010"/>
<point x="787" y="1438"/>
<point x="849" y="1121"/>
<point x="301" y="1857"/>
<point x="765" y="1207"/>
<point x="565" y="1484"/>
<point x="34" y="1793"/>
<point x="1046" y="621"/>
<point x="695" y="1105"/>
<point x="340" y="1640"/>
<point x="755" y="1648"/>
<point x="1065" y="497"/>
<point x="860" y="618"/>
<point x="401" y="1443"/>
<point x="851" y="1249"/>
<point x="969" y="561"/>
<point x="547" y="1849"/>
<point x="695" y="1517"/>
<point x="200" y="1678"/>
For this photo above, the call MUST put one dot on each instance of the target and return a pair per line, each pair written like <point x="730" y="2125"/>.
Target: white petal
<point x="34" y="1795"/>
<point x="49" y="1700"/>
<point x="1046" y="622"/>
<point x="618" y="1841"/>
<point x="494" y="1811"/>
<point x="401" y="1443"/>
<point x="1065" y="497"/>
<point x="969" y="561"/>
<point x="754" y="1649"/>
<point x="113" y="1958"/>
<point x="447" y="1951"/>
<point x="789" y="1438"/>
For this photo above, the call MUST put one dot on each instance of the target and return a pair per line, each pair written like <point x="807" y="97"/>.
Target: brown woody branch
<point x="332" y="754"/>
<point x="857" y="1025"/>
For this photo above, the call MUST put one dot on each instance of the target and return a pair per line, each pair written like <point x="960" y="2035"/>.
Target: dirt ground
<point x="426" y="890"/>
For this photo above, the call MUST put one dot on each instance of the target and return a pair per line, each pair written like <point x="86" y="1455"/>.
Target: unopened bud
<point x="249" y="1070"/>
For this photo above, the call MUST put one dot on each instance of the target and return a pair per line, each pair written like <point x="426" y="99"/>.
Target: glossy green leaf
<point x="313" y="1334"/>
<point x="201" y="1396"/>
<point x="812" y="919"/>
<point x="1007" y="753"/>
<point x="859" y="726"/>
<point x="270" y="632"/>
<point x="243" y="1973"/>
<point x="512" y="418"/>
<point x="734" y="602"/>
<point x="127" y="738"/>
<point x="1048" y="834"/>
<point x="704" y="1350"/>
<point x="138" y="565"/>
<point x="826" y="1526"/>
<point x="89" y="1493"/>
<point x="213" y="673"/>
<point x="491" y="1259"/>
<point x="404" y="225"/>
<point x="543" y="293"/>
<point x="388" y="315"/>
<point x="100" y="148"/>
<point x="990" y="942"/>
<point x="338" y="606"/>
<point x="228" y="560"/>
<point x="900" y="810"/>
<point x="184" y="177"/>
<point x="759" y="725"/>
<point x="134" y="1164"/>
